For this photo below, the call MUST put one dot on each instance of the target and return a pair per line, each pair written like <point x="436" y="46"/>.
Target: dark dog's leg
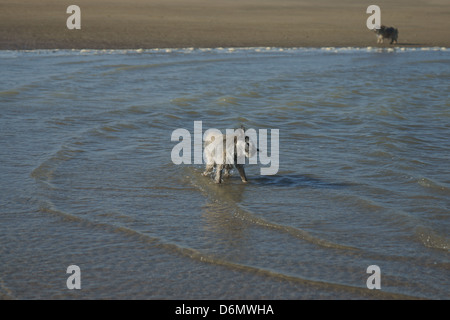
<point x="241" y="171"/>
<point x="218" y="178"/>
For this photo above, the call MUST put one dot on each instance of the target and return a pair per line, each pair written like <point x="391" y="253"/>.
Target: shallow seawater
<point x="87" y="177"/>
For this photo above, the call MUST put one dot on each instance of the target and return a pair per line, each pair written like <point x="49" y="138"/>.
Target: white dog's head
<point x="244" y="145"/>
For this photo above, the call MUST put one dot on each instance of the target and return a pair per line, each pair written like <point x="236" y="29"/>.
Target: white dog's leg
<point x="241" y="171"/>
<point x="208" y="169"/>
<point x="218" y="178"/>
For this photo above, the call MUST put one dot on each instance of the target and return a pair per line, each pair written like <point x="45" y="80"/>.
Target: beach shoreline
<point x="154" y="24"/>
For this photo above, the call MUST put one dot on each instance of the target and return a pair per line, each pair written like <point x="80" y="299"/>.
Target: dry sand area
<point x="109" y="24"/>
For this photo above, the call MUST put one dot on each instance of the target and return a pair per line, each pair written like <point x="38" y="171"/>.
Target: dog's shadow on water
<point x="298" y="181"/>
<point x="232" y="189"/>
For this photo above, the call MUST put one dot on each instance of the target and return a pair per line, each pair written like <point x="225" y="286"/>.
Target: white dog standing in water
<point x="222" y="152"/>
